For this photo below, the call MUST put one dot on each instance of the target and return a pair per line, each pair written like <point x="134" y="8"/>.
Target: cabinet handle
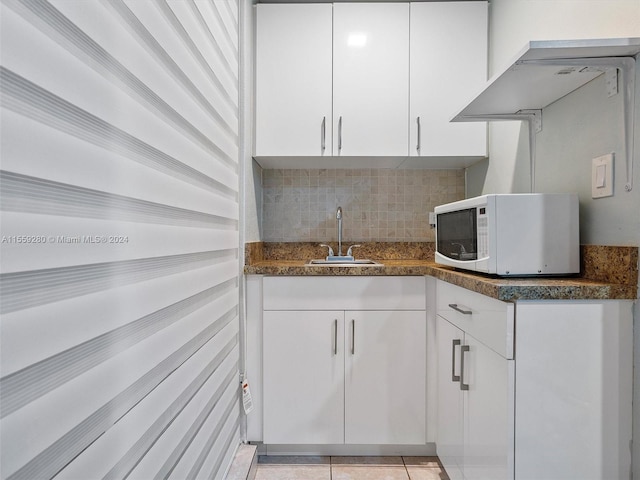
<point x="463" y="386"/>
<point x="323" y="135"/>
<point x="339" y="134"/>
<point x="419" y="134"/>
<point x="353" y="337"/>
<point x="335" y="337"/>
<point x="454" y="344"/>
<point x="458" y="309"/>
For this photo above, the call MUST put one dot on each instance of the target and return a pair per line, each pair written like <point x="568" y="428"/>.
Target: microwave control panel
<point x="482" y="225"/>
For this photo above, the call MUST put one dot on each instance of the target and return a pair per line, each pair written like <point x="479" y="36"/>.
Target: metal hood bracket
<point x="627" y="66"/>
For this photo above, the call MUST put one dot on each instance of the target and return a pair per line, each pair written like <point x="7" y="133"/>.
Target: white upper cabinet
<point x="448" y="67"/>
<point x="378" y="81"/>
<point x="370" y="79"/>
<point x="293" y="80"/>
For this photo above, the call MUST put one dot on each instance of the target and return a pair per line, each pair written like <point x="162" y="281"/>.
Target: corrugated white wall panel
<point x="99" y="244"/>
<point x="116" y="172"/>
<point x="179" y="432"/>
<point x="28" y="336"/>
<point x="203" y="374"/>
<point x="120" y="238"/>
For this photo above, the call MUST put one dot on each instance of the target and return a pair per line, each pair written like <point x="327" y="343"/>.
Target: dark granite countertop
<point x="608" y="272"/>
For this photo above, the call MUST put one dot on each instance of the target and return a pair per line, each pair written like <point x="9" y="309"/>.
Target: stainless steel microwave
<point x="510" y="234"/>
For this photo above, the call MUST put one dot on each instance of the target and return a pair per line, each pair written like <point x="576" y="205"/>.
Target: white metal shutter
<point x="119" y="210"/>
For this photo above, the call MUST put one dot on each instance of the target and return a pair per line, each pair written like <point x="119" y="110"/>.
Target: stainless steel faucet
<point x="340" y="257"/>
<point x="339" y="218"/>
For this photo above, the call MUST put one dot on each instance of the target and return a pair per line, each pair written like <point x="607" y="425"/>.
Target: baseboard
<point x="245" y="463"/>
<point x="351" y="450"/>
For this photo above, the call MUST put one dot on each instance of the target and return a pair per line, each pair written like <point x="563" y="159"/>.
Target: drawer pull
<point x="458" y="309"/>
<point x="454" y="344"/>
<point x="463" y="386"/>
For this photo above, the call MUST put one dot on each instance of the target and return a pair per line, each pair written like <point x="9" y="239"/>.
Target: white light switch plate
<point x="602" y="176"/>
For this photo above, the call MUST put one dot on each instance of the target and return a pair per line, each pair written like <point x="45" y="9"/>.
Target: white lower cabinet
<point x="573" y="391"/>
<point x="533" y="389"/>
<point x="486" y="412"/>
<point x="385" y="359"/>
<point x="344" y="376"/>
<point x="303" y="375"/>
<point x="473" y="412"/>
<point x="450" y="426"/>
<point x="525" y="390"/>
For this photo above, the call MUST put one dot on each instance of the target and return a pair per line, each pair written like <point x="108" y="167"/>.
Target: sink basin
<point x="343" y="263"/>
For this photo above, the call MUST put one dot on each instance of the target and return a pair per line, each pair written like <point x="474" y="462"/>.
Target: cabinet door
<point x="450" y="429"/>
<point x="385" y="376"/>
<point x="448" y="66"/>
<point x="293" y="80"/>
<point x="371" y="79"/>
<point x="303" y="375"/>
<point x="486" y="411"/>
<point x="574" y="389"/>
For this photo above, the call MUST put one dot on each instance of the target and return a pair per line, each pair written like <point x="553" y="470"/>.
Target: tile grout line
<point x="405" y="467"/>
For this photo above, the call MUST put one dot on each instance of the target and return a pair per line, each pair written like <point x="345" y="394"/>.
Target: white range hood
<point x="545" y="71"/>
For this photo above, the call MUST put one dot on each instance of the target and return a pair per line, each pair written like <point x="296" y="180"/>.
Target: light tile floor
<point x="349" y="468"/>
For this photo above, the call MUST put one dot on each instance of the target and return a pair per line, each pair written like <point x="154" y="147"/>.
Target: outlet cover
<point x="602" y="176"/>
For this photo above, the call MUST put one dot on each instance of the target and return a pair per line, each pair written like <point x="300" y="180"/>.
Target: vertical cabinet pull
<point x="335" y="337"/>
<point x="463" y="350"/>
<point x="353" y="337"/>
<point x="323" y="134"/>
<point x="454" y="344"/>
<point x="339" y="133"/>
<point x="419" y="134"/>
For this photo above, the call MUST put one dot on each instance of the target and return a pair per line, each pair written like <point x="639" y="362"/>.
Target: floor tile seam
<point x="405" y="467"/>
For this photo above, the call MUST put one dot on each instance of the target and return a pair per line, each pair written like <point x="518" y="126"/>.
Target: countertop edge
<point x="548" y="288"/>
<point x="505" y="289"/>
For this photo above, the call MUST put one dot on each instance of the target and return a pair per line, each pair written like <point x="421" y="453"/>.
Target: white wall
<point x="120" y="356"/>
<point x="583" y="125"/>
<point x="577" y="128"/>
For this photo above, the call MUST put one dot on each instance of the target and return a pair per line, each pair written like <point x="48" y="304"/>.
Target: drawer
<point x="344" y="293"/>
<point x="488" y="320"/>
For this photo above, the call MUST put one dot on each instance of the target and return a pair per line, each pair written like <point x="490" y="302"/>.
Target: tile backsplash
<point x="378" y="204"/>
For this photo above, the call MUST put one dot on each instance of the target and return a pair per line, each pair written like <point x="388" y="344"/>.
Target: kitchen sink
<point x="343" y="263"/>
